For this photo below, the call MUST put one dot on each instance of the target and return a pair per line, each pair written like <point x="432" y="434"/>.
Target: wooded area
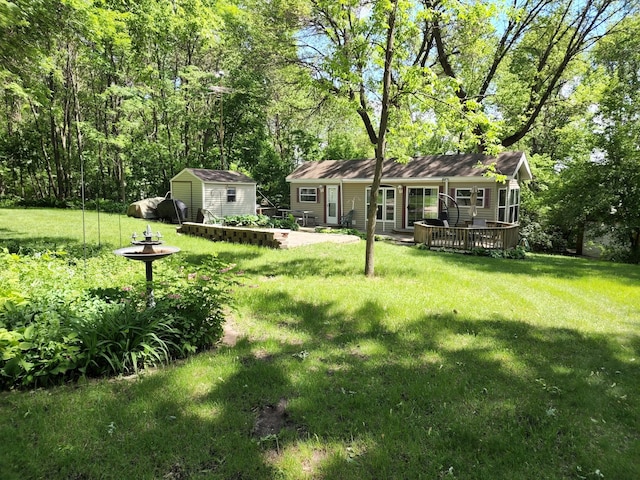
<point x="126" y="94"/>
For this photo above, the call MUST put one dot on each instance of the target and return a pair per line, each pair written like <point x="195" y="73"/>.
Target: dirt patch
<point x="229" y="334"/>
<point x="271" y="420"/>
<point x="176" y="472"/>
<point x="310" y="465"/>
<point x="263" y="355"/>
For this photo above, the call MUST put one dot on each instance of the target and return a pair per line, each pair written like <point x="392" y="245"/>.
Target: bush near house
<point x="260" y="221"/>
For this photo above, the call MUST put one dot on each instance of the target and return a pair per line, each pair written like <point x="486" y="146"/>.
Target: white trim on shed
<point x="222" y="192"/>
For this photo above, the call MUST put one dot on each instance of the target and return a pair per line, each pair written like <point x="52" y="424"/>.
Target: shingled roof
<point x="430" y="166"/>
<point x="219" y="176"/>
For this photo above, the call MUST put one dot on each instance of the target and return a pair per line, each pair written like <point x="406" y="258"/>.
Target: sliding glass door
<point x="422" y="202"/>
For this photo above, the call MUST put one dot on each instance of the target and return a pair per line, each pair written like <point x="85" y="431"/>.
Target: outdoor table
<point x="304" y="214"/>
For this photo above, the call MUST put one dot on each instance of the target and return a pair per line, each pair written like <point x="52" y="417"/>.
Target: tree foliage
<point x="592" y="142"/>
<point x="129" y="93"/>
<point x="113" y="98"/>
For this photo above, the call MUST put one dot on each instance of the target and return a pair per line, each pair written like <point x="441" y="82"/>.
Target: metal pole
<point x="149" y="271"/>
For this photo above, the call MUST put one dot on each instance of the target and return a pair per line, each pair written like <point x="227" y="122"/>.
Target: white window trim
<point x="460" y="198"/>
<point x="514" y="207"/>
<point x="395" y="198"/>
<point x="232" y="194"/>
<point x="308" y="192"/>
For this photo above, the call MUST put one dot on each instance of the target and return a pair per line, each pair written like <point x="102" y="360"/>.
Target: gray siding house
<point x="426" y="187"/>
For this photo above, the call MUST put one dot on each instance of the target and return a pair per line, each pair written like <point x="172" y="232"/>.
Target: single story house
<point x="221" y="192"/>
<point x="427" y="187"/>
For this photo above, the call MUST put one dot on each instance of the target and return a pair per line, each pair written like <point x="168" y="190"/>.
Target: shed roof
<point x="219" y="176"/>
<point x="430" y="166"/>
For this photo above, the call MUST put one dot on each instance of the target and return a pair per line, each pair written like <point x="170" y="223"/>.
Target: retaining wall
<point x="272" y="237"/>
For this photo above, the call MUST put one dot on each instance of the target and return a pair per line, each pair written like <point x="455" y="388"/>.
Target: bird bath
<point x="149" y="252"/>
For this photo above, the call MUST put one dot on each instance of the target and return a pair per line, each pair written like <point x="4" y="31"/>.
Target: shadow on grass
<point x="550" y="265"/>
<point x="442" y="397"/>
<point x="488" y="398"/>
<point x="305" y="267"/>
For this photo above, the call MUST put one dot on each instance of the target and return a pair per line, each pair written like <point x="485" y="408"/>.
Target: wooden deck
<point x="497" y="236"/>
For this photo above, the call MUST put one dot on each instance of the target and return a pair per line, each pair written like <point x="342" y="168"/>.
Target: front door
<point x="422" y="202"/>
<point x="332" y="204"/>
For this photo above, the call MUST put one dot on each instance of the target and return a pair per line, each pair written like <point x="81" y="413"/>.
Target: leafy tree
<point x="599" y="162"/>
<point x="618" y="135"/>
<point x="354" y="48"/>
<point x="511" y="60"/>
<point x="133" y="91"/>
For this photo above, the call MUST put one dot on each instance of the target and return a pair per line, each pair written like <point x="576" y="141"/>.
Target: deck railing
<point x="492" y="237"/>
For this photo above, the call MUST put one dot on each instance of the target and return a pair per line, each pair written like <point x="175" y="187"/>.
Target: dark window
<point x="308" y="195"/>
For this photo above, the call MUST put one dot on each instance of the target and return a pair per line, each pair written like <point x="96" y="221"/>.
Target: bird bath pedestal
<point x="149" y="252"/>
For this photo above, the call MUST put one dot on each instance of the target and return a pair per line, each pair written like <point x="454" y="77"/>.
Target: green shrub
<point x="40" y="347"/>
<point x="247" y="220"/>
<point x="543" y="239"/>
<point x="262" y="221"/>
<point x="124" y="338"/>
<point x="108" y="206"/>
<point x="9" y="201"/>
<point x="288" y="223"/>
<point x="49" y="335"/>
<point x="518" y="253"/>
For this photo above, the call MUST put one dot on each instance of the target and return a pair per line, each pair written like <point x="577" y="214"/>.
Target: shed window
<point x="231" y="194"/>
<point x="463" y="197"/>
<point x="308" y="195"/>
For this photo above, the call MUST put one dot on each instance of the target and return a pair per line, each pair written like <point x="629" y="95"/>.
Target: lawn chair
<point x="346" y="221"/>
<point x="207" y="217"/>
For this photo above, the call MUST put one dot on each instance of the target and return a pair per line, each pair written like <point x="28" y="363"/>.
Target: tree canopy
<point x="126" y="94"/>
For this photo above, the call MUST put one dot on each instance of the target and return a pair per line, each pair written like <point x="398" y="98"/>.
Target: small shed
<point x="221" y="192"/>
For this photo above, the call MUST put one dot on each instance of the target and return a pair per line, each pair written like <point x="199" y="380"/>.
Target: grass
<point x="443" y="366"/>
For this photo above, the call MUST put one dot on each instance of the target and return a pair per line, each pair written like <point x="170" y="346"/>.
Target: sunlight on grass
<point x="443" y="366"/>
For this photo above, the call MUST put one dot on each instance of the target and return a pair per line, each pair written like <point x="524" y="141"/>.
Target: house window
<point x="502" y="205"/>
<point x="308" y="195"/>
<point x="463" y="197"/>
<point x="514" y="205"/>
<point x="386" y="211"/>
<point x="422" y="202"/>
<point x="231" y="194"/>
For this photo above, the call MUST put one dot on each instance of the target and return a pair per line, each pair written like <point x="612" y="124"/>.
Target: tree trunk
<point x="580" y="240"/>
<point x="381" y="144"/>
<point x="372" y="210"/>
<point x="635" y="246"/>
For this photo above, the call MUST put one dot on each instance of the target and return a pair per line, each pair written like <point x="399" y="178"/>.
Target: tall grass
<point x="443" y="366"/>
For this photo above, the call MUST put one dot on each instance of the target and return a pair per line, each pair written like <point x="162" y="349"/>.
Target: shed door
<point x="183" y="191"/>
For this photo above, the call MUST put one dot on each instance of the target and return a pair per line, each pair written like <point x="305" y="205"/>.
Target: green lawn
<point x="443" y="366"/>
